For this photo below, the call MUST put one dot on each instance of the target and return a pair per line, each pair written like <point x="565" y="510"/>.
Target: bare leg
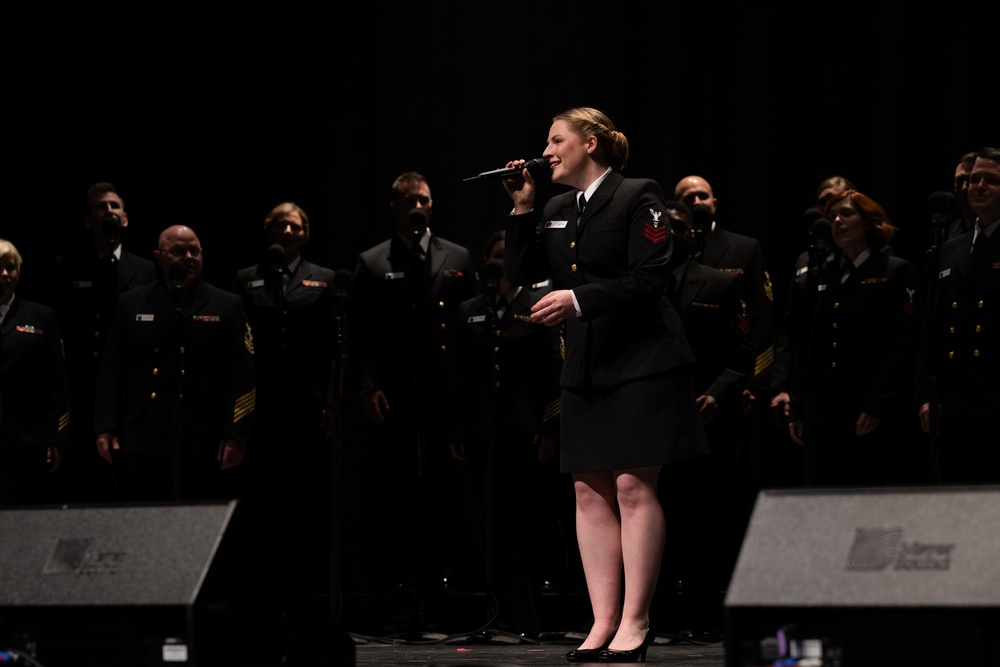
<point x="598" y="532"/>
<point x="643" y="531"/>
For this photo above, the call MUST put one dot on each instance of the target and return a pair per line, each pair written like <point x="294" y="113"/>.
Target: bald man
<point x="175" y="389"/>
<point x="740" y="255"/>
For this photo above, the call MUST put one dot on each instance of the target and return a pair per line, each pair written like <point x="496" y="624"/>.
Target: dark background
<point x="211" y="118"/>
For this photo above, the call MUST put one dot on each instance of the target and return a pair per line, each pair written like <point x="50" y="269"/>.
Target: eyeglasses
<point x="180" y="251"/>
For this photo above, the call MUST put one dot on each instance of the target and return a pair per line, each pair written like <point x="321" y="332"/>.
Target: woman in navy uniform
<point x="628" y="405"/>
<point x="854" y="355"/>
<point x="34" y="392"/>
<point x="294" y="314"/>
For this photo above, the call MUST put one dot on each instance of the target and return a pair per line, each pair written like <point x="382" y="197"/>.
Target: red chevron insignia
<point x="656" y="234"/>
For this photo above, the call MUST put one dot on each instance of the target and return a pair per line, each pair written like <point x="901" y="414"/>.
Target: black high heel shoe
<point x="585" y="654"/>
<point x="637" y="654"/>
<point x="588" y="654"/>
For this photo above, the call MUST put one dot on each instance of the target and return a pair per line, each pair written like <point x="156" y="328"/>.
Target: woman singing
<point x="628" y="406"/>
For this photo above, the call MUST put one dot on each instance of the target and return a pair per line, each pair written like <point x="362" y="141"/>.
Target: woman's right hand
<point x="520" y="188"/>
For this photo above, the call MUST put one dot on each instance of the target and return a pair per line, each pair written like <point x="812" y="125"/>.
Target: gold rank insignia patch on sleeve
<point x="248" y="340"/>
<point x="244" y="406"/>
<point x="768" y="290"/>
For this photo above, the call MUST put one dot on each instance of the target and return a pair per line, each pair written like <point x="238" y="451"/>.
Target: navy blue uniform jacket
<point x="615" y="261"/>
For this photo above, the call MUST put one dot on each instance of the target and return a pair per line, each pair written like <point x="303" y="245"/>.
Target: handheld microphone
<point x="537" y="166"/>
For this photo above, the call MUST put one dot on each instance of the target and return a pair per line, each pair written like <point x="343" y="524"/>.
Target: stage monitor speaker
<point x="868" y="576"/>
<point x="129" y="585"/>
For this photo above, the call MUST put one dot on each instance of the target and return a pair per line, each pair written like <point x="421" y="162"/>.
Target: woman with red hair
<point x="856" y="345"/>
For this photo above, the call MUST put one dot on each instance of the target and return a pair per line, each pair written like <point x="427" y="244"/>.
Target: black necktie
<point x="501" y="306"/>
<point x="673" y="288"/>
<point x="418" y="263"/>
<point x="979" y="247"/>
<point x="846" y="271"/>
<point x="109" y="279"/>
<point x="582" y="203"/>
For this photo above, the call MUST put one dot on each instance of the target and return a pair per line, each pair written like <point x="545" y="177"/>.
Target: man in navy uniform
<point x="503" y="427"/>
<point x="404" y="299"/>
<point x="959" y="358"/>
<point x="708" y="499"/>
<point x="175" y="390"/>
<point x="84" y="287"/>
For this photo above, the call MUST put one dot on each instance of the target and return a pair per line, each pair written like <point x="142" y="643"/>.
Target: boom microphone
<point x="822" y="230"/>
<point x="275" y="258"/>
<point x="418" y="220"/>
<point x="342" y="284"/>
<point x="492" y="273"/>
<point x="176" y="273"/>
<point x="811" y="215"/>
<point x="534" y="167"/>
<point x="701" y="217"/>
<point x="822" y="240"/>
<point x="943" y="207"/>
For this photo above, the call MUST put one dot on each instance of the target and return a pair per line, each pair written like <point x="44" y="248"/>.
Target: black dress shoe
<point x="585" y="654"/>
<point x="637" y="654"/>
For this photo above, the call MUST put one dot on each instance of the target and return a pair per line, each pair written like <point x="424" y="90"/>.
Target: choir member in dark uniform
<point x="503" y="421"/>
<point x="404" y="299"/>
<point x="854" y="354"/>
<point x="964" y="223"/>
<point x="176" y="384"/>
<point x="743" y="256"/>
<point x="84" y="286"/>
<point x="776" y="460"/>
<point x="293" y="311"/>
<point x="960" y="348"/>
<point x="628" y="404"/>
<point x="820" y="251"/>
<point x="34" y="396"/>
<point x="708" y="499"/>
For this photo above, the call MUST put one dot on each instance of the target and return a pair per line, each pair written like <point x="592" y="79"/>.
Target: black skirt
<point x="646" y="422"/>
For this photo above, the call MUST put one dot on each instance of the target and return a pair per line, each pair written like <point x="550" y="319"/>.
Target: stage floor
<point x="461" y="633"/>
<point x="498" y="651"/>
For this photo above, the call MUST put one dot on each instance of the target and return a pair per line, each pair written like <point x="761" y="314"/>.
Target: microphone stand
<point x="338" y="373"/>
<point x="492" y="326"/>
<point x="177" y="296"/>
<point x="816" y="262"/>
<point x="933" y="382"/>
